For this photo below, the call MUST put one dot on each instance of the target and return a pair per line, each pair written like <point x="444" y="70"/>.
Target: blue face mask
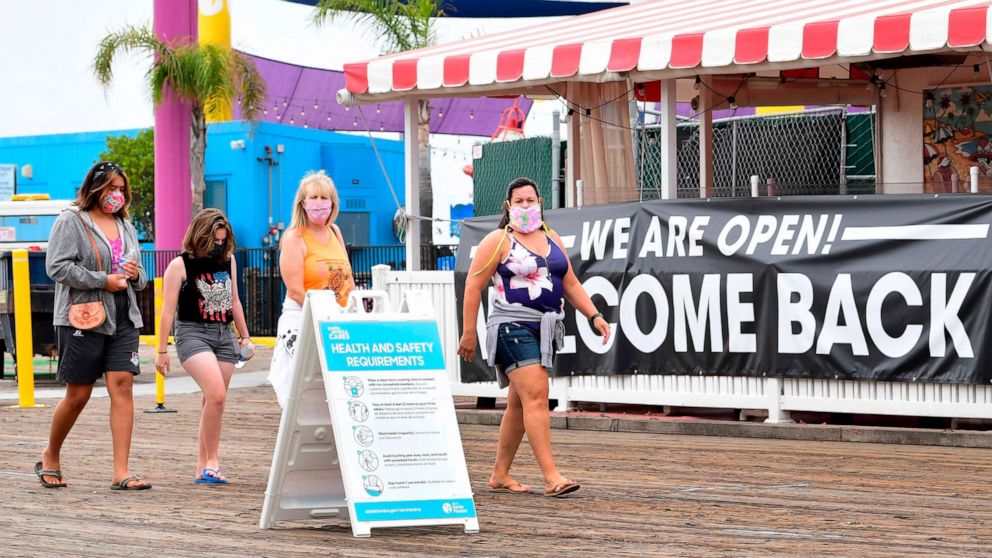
<point x="216" y="250"/>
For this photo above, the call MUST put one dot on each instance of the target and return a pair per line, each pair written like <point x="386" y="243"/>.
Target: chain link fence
<point x="501" y="162"/>
<point x="791" y="154"/>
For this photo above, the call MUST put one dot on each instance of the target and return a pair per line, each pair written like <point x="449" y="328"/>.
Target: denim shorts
<point x="516" y="346"/>
<point x="196" y="337"/>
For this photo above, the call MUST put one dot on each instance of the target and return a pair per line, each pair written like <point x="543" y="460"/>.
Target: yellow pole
<point x="214" y="28"/>
<point x="22" y="329"/>
<point x="159" y="377"/>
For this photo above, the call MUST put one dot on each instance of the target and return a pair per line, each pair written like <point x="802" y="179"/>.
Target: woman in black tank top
<point x="201" y="293"/>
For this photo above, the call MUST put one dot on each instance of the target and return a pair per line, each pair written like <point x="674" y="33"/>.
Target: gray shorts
<point x="196" y="337"/>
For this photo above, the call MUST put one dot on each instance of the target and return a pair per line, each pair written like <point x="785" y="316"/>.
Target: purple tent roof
<point x="306" y="97"/>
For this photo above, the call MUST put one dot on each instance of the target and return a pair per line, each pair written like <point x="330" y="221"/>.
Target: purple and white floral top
<point x="531" y="280"/>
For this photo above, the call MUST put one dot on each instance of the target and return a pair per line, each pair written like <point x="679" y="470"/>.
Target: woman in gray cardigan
<point x="93" y="255"/>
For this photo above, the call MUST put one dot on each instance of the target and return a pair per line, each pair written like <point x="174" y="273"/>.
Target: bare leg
<point x="531" y="385"/>
<point x="511" y="432"/>
<point x="121" y="421"/>
<point x="66" y="413"/>
<point x="212" y="377"/>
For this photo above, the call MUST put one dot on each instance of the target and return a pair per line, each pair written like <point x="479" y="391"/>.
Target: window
<point x="354" y="227"/>
<point x="215" y="195"/>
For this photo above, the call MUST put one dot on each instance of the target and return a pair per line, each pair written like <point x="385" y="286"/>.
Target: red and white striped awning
<point x="677" y="36"/>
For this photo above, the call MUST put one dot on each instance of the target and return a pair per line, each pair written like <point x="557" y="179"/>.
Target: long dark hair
<point x="99" y="177"/>
<point x="515" y="184"/>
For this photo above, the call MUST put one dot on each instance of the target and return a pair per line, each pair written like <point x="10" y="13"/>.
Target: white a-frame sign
<point x="369" y="427"/>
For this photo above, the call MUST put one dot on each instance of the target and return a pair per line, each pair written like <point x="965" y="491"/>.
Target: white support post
<point x="755" y="180"/>
<point x="974" y="179"/>
<point x="706" y="140"/>
<point x="573" y="155"/>
<point x="669" y="141"/>
<point x="411" y="157"/>
<point x="379" y="274"/>
<point x="773" y="389"/>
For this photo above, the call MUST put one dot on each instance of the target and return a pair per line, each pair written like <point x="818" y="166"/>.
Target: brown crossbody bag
<point x="85" y="316"/>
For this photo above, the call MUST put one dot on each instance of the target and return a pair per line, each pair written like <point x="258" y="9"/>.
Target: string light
<point x="315" y="104"/>
<point x="381" y="127"/>
<point x="328" y="117"/>
<point x="697" y="83"/>
<point x="378" y="109"/>
<point x="471" y="114"/>
<point x="291" y="121"/>
<point x="355" y="123"/>
<point x="881" y="90"/>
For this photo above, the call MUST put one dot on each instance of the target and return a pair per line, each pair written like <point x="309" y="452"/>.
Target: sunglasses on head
<point x="104" y="168"/>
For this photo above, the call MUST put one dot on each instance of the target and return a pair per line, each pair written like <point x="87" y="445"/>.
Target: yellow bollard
<point x="22" y="329"/>
<point x="159" y="378"/>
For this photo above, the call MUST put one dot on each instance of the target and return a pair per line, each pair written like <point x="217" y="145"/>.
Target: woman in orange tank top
<point x="313" y="257"/>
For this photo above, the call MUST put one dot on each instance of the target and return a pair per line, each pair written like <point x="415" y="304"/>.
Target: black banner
<point x="871" y="288"/>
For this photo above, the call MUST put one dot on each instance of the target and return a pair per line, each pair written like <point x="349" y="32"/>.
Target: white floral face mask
<point x="525" y="219"/>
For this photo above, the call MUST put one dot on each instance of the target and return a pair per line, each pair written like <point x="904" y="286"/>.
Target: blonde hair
<point x="199" y="239"/>
<point x="313" y="182"/>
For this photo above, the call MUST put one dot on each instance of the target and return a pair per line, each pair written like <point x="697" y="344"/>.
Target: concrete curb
<point x="732" y="429"/>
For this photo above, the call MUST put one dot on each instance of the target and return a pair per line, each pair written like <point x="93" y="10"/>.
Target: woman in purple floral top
<point x="532" y="277"/>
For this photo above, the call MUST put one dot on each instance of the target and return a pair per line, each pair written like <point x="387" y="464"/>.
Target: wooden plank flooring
<point x="642" y="495"/>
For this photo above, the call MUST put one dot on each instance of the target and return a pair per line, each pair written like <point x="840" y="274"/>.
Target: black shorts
<point x="84" y="356"/>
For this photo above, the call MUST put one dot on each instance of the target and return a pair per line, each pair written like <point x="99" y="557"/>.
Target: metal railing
<point x="260" y="285"/>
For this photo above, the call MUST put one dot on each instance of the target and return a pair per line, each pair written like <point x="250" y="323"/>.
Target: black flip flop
<point x="42" y="473"/>
<point x="123" y="484"/>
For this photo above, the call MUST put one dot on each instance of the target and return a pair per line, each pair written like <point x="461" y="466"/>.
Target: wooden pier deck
<point x="642" y="495"/>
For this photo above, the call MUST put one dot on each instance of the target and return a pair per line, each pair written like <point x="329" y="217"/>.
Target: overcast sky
<point x="46" y="67"/>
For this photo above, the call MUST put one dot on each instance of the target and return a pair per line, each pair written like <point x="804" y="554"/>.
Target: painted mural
<point x="957" y="135"/>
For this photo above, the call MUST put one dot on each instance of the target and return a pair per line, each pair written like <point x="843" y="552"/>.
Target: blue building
<point x="242" y="175"/>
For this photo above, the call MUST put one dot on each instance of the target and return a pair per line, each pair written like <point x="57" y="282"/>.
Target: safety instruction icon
<point x="368" y="460"/>
<point x="354" y="386"/>
<point x="363" y="435"/>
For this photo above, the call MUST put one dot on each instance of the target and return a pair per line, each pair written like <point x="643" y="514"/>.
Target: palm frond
<point x="249" y="84"/>
<point x="401" y="25"/>
<point x="128" y="39"/>
<point x="206" y="76"/>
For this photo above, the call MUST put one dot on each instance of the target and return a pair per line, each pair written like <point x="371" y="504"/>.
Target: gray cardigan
<point x="71" y="263"/>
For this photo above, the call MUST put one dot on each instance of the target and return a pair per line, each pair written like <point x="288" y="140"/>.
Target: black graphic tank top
<point x="207" y="294"/>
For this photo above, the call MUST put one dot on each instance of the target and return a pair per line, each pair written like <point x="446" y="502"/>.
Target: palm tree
<point x="403" y="25"/>
<point x="202" y="75"/>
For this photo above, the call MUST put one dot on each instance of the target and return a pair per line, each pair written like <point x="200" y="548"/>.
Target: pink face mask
<point x="525" y="219"/>
<point x="112" y="202"/>
<point x="318" y="211"/>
